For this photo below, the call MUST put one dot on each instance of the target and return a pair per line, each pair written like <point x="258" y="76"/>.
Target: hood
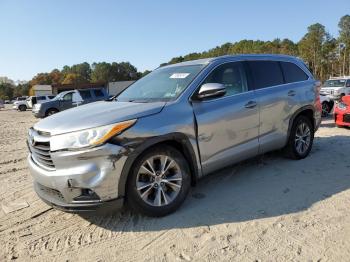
<point x="96" y="114"/>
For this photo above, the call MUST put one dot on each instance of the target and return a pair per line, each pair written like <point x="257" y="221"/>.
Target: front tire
<point x="159" y="182"/>
<point x="300" y="139"/>
<point x="326" y="108"/>
<point x="51" y="111"/>
<point x="22" y="108"/>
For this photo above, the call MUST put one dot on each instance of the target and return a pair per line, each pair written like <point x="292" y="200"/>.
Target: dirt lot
<point x="268" y="208"/>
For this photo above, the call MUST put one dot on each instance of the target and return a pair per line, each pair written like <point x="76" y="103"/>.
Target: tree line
<point x="324" y="54"/>
<point x="85" y="73"/>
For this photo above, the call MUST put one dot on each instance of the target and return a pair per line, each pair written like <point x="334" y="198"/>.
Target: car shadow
<point x="266" y="186"/>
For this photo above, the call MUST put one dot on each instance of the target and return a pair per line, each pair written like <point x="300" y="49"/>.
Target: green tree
<point x="310" y="46"/>
<point x="344" y="37"/>
<point x="6" y="91"/>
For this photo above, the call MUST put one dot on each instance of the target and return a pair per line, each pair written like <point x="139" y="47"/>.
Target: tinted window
<point x="98" y="93"/>
<point x="293" y="73"/>
<point x="231" y="75"/>
<point x="266" y="73"/>
<point x="348" y="83"/>
<point x="51" y="97"/>
<point x="40" y="98"/>
<point x="85" y="94"/>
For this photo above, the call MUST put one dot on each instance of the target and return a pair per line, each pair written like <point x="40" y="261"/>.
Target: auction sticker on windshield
<point x="179" y="75"/>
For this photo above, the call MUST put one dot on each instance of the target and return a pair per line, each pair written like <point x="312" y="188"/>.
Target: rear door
<point x="227" y="126"/>
<point x="278" y="91"/>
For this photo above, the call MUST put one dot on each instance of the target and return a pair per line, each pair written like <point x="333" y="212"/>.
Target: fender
<point x="136" y="148"/>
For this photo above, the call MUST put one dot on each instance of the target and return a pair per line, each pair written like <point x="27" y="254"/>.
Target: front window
<point x="335" y="83"/>
<point x="163" y="84"/>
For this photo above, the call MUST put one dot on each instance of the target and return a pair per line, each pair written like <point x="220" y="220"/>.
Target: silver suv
<point x="172" y="127"/>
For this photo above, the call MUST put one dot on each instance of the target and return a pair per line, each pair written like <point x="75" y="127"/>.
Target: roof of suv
<point x="243" y="56"/>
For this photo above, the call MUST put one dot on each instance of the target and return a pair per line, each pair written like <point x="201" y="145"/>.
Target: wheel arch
<point x="51" y="108"/>
<point x="307" y="111"/>
<point x="177" y="140"/>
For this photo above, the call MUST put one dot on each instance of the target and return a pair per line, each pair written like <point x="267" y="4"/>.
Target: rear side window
<point x="293" y="73"/>
<point x="98" y="93"/>
<point x="51" y="97"/>
<point x="40" y="98"/>
<point x="85" y="94"/>
<point x="266" y="73"/>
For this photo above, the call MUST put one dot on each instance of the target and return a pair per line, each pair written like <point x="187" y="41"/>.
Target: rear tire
<point x="300" y="139"/>
<point x="22" y="108"/>
<point x="159" y="182"/>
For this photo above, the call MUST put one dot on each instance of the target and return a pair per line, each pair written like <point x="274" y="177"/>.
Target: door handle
<point x="291" y="93"/>
<point x="251" y="104"/>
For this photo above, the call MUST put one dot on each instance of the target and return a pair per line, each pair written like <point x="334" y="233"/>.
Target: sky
<point x="39" y="35"/>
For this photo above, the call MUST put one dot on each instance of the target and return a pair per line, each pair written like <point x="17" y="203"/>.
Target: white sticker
<point x="179" y="75"/>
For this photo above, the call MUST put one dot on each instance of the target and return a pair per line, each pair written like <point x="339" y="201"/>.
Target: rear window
<point x="266" y="73"/>
<point x="85" y="94"/>
<point x="98" y="93"/>
<point x="293" y="73"/>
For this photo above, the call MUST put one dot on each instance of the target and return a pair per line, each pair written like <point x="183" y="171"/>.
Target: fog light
<point x="87" y="195"/>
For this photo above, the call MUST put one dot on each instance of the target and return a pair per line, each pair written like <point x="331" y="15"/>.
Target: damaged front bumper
<point x="84" y="180"/>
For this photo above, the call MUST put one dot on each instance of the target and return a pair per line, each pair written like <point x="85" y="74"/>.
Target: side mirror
<point x="211" y="90"/>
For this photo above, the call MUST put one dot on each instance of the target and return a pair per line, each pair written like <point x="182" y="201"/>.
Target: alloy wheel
<point x="302" y="138"/>
<point x="159" y="180"/>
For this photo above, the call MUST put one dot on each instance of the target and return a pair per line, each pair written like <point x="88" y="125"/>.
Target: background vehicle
<point x="336" y="87"/>
<point x="327" y="104"/>
<point x="69" y="99"/>
<point x="23" y="105"/>
<point x="172" y="127"/>
<point x="342" y="112"/>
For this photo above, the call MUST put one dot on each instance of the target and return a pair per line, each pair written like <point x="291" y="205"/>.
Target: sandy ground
<point x="265" y="209"/>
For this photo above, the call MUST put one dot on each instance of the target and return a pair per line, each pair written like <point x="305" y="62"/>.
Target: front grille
<point x="40" y="151"/>
<point x="346" y="118"/>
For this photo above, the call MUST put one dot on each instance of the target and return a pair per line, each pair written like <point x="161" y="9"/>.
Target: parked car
<point x="171" y="128"/>
<point x="2" y="104"/>
<point x="69" y="99"/>
<point x="327" y="104"/>
<point x="336" y="87"/>
<point x="342" y="112"/>
<point x="23" y="105"/>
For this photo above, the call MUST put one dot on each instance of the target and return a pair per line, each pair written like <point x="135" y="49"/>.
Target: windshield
<point x="163" y="84"/>
<point x="60" y="95"/>
<point x="335" y="83"/>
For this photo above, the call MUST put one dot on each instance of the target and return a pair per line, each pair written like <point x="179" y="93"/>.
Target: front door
<point x="66" y="102"/>
<point x="227" y="126"/>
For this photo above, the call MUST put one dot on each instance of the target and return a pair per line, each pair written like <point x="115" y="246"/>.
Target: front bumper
<point x="38" y="113"/>
<point x="95" y="170"/>
<point x="341" y="117"/>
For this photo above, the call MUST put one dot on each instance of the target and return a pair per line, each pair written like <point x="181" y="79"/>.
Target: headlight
<point x="37" y="106"/>
<point x="342" y="106"/>
<point x="88" y="137"/>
